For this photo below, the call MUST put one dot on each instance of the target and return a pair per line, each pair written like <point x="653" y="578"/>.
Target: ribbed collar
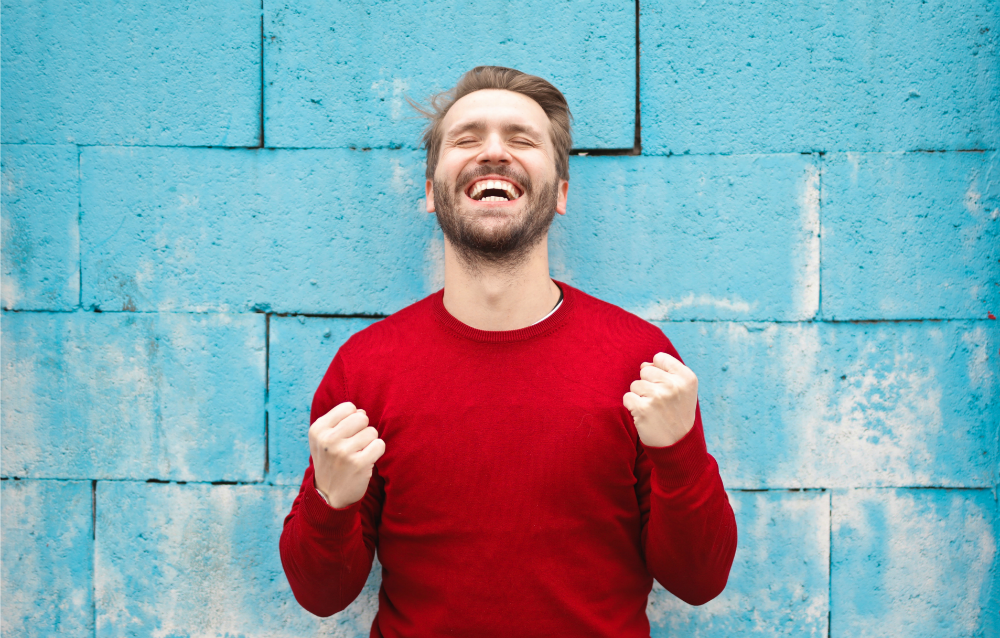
<point x="506" y="336"/>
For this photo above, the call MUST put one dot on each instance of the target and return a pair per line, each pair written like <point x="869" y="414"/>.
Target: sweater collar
<point x="544" y="326"/>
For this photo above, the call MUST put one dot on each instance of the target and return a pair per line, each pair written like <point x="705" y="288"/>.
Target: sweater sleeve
<point x="689" y="529"/>
<point x="327" y="553"/>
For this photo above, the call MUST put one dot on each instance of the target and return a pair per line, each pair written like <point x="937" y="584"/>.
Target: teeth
<point x="495" y="184"/>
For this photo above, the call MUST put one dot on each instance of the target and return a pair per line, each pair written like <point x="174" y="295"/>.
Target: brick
<point x="47" y="559"/>
<point x="39" y="201"/>
<point x="150" y="72"/>
<point x="179" y="560"/>
<point x="311" y="231"/>
<point x="916" y="563"/>
<point x="694" y="237"/>
<point x="847" y="405"/>
<point x="300" y="350"/>
<point x="729" y="77"/>
<point x="136" y="396"/>
<point x="911" y="236"/>
<point x="778" y="585"/>
<point x="338" y="74"/>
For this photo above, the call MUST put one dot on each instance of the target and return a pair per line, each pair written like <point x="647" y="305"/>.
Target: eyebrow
<point x="507" y="127"/>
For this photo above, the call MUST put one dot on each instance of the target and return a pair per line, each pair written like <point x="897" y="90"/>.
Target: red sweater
<point x="514" y="497"/>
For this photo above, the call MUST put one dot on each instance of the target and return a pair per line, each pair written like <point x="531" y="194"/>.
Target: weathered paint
<point x="916" y="563"/>
<point x="47" y="556"/>
<point x="338" y="73"/>
<point x="133" y="396"/>
<point x="726" y="76"/>
<point x="149" y="72"/>
<point x="317" y="231"/>
<point x="202" y="560"/>
<point x="39" y="211"/>
<point x="911" y="235"/>
<point x="778" y="585"/>
<point x="694" y="237"/>
<point x="847" y="405"/>
<point x="300" y="351"/>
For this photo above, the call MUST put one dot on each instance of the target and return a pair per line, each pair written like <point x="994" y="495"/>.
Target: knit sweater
<point x="514" y="497"/>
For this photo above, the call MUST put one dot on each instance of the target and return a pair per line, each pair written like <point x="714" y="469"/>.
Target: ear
<point x="561" y="199"/>
<point x="429" y="195"/>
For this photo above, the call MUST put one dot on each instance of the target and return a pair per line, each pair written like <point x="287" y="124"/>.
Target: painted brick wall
<point x="202" y="201"/>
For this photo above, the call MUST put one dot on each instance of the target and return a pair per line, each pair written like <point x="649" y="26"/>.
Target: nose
<point x="494" y="151"/>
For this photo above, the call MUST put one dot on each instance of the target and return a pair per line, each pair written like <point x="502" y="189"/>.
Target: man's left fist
<point x="662" y="401"/>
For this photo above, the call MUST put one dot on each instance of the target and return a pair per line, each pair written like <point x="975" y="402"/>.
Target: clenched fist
<point x="344" y="450"/>
<point x="662" y="401"/>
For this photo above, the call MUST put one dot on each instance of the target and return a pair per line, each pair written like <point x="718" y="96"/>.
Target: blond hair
<point x="480" y="78"/>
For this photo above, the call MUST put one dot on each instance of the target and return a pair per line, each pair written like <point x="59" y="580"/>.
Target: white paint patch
<point x="402" y="180"/>
<point x="557" y="254"/>
<point x="977" y="367"/>
<point x="395" y="92"/>
<point x="973" y="198"/>
<point x="9" y="290"/>
<point x="797" y="365"/>
<point x="434" y="263"/>
<point x="853" y="160"/>
<point x="882" y="418"/>
<point x="938" y="562"/>
<point x="806" y="247"/>
<point x="188" y="201"/>
<point x="24" y="390"/>
<point x="662" y="310"/>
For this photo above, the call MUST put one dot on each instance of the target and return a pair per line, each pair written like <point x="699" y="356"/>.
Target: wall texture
<point x="201" y="202"/>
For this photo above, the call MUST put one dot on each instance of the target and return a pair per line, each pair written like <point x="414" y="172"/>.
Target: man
<point x="524" y="457"/>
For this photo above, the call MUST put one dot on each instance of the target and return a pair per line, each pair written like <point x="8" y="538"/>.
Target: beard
<point x="505" y="244"/>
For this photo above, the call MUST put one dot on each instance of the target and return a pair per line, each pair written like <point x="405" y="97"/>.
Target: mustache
<point x="502" y="170"/>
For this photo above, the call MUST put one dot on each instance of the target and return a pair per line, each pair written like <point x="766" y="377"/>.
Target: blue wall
<point x="200" y="201"/>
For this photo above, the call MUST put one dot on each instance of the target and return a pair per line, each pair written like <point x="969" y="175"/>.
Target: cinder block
<point x="847" y="405"/>
<point x="180" y="560"/>
<point x="41" y="236"/>
<point x="300" y="351"/>
<point x="725" y="76"/>
<point x="338" y="74"/>
<point x="47" y="559"/>
<point x="149" y="72"/>
<point x="694" y="237"/>
<point x="312" y="231"/>
<point x="911" y="236"/>
<point x="139" y="396"/>
<point x="778" y="585"/>
<point x="915" y="563"/>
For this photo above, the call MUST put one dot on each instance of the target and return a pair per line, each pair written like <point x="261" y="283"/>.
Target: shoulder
<point x="616" y="322"/>
<point x="388" y="335"/>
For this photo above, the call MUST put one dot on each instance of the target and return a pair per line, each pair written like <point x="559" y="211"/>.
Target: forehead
<point x="495" y="107"/>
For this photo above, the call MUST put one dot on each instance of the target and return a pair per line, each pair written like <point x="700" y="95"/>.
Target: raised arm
<point x="689" y="530"/>
<point x="329" y="537"/>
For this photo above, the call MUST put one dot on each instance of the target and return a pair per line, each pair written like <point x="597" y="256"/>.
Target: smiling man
<point x="524" y="458"/>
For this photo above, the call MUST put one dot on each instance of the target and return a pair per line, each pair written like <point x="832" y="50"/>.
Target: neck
<point x="499" y="298"/>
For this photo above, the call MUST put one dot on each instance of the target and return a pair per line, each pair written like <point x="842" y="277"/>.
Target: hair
<point x="551" y="99"/>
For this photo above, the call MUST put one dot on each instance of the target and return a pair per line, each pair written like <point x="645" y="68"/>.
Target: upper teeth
<point x="496" y="184"/>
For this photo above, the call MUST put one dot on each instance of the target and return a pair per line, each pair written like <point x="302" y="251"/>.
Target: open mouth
<point x="493" y="190"/>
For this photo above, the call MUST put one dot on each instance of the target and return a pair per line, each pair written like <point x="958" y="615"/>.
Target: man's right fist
<point x="344" y="450"/>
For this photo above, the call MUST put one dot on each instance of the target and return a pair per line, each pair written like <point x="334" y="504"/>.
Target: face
<point x="495" y="188"/>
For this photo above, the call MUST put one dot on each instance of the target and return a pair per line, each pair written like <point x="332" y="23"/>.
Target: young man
<point x="524" y="457"/>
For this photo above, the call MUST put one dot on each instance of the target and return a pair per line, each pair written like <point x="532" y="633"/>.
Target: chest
<point x="471" y="449"/>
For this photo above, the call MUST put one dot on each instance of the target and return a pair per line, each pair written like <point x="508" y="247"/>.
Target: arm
<point x="327" y="552"/>
<point x="688" y="526"/>
<point x="689" y="530"/>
